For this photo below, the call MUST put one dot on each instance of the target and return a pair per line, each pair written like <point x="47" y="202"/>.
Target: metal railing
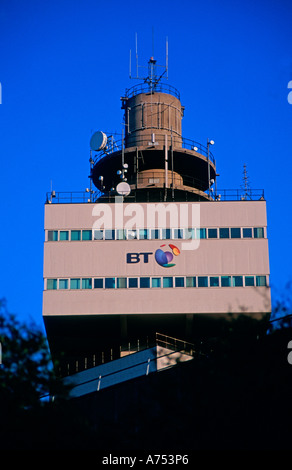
<point x="71" y="197"/>
<point x="174" y="344"/>
<point x="79" y="364"/>
<point x="147" y="88"/>
<point x="238" y="195"/>
<point x="115" y="144"/>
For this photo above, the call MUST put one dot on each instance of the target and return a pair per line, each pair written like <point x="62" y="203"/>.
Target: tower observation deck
<point x="161" y="164"/>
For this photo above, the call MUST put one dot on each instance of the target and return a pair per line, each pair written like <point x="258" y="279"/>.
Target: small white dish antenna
<point x="123" y="189"/>
<point x="98" y="141"/>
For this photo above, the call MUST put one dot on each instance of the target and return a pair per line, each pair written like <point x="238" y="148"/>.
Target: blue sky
<point x="65" y="64"/>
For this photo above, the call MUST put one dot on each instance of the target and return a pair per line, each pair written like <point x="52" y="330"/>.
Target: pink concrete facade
<point x="108" y="258"/>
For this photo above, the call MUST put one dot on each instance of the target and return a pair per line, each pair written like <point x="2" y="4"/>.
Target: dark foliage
<point x="234" y="395"/>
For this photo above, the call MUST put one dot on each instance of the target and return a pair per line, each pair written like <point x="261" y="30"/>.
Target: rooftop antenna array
<point x="246" y="186"/>
<point x="153" y="77"/>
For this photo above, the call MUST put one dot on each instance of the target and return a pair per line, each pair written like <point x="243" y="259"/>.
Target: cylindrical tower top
<point x="152" y="114"/>
<point x="152" y="109"/>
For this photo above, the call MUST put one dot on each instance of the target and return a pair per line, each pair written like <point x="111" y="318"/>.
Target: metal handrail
<point x="84" y="197"/>
<point x="175" y="344"/>
<point x="178" y="344"/>
<point x="147" y="88"/>
<point x="182" y="142"/>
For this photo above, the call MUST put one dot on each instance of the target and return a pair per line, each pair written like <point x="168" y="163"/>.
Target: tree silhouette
<point x="28" y="418"/>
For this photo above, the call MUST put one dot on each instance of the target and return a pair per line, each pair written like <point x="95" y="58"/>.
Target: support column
<point x="189" y="327"/>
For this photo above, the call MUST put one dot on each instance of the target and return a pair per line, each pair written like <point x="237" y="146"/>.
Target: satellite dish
<point x="98" y="141"/>
<point x="123" y="188"/>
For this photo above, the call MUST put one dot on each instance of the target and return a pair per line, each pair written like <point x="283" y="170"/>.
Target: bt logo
<point x="135" y="257"/>
<point x="163" y="258"/>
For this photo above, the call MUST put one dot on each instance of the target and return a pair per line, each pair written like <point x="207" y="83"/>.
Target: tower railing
<point x="116" y="145"/>
<point x="146" y="88"/>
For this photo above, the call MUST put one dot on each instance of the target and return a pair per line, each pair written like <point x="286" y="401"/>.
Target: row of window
<point x="156" y="234"/>
<point x="147" y="282"/>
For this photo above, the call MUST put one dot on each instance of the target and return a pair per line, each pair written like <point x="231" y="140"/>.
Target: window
<point x="212" y="233"/>
<point x="214" y="281"/>
<point x="190" y="281"/>
<point x="247" y="233"/>
<point x="75" y="235"/>
<point x="202" y="281"/>
<point x="167" y="282"/>
<point x="132" y="234"/>
<point x="153" y="180"/>
<point x="235" y="232"/>
<point x="189" y="233"/>
<point x="178" y="233"/>
<point x="86" y="235"/>
<point x="98" y="234"/>
<point x="224" y="232"/>
<point x="201" y="233"/>
<point x="109" y="234"/>
<point x="87" y="283"/>
<point x="74" y="283"/>
<point x="144" y="282"/>
<point x="258" y="232"/>
<point x="179" y="282"/>
<point x="52" y="235"/>
<point x="121" y="234"/>
<point x="133" y="282"/>
<point x="261" y="281"/>
<point x="154" y="234"/>
<point x="98" y="283"/>
<point x="249" y="281"/>
<point x="237" y="281"/>
<point x="143" y="234"/>
<point x="63" y="283"/>
<point x="166" y="233"/>
<point x="51" y="284"/>
<point x="64" y="235"/>
<point x="225" y="281"/>
<point x="156" y="282"/>
<point x="121" y="282"/>
<point x="110" y="282"/>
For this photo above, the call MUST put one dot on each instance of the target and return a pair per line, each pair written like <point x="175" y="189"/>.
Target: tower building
<point x="155" y="247"/>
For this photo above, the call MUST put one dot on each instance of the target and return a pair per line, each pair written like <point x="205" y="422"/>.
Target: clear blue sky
<point x="63" y="67"/>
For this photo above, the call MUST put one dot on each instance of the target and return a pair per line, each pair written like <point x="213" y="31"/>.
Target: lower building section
<point x="81" y="342"/>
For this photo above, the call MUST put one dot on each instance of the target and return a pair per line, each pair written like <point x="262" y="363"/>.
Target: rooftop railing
<point x="79" y="197"/>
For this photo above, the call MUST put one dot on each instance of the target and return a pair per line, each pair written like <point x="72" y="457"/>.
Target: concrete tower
<point x="155" y="247"/>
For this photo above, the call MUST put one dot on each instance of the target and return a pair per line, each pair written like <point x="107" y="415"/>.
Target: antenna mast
<point x="246" y="185"/>
<point x="152" y="78"/>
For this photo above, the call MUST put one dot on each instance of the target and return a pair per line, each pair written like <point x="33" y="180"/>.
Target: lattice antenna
<point x="245" y="183"/>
